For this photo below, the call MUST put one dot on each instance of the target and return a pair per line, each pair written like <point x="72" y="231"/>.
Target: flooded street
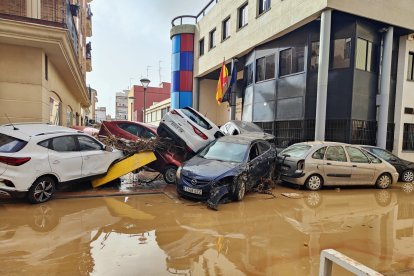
<point x="160" y="235"/>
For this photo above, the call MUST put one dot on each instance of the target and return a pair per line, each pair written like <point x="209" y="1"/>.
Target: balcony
<point x="88" y="57"/>
<point x="89" y="15"/>
<point x="54" y="13"/>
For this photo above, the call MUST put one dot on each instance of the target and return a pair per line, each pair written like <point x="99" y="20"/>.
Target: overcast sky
<point x="128" y="36"/>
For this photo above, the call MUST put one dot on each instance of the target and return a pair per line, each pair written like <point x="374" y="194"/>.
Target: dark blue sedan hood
<point x="207" y="169"/>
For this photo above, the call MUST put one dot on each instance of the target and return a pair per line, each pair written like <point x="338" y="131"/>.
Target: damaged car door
<point x="261" y="163"/>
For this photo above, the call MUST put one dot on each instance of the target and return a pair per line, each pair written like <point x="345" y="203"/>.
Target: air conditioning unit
<point x="411" y="37"/>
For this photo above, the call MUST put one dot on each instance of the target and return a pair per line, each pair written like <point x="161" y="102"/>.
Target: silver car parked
<point x="317" y="164"/>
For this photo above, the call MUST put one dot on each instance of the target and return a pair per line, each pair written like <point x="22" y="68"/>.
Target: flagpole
<point x="233" y="91"/>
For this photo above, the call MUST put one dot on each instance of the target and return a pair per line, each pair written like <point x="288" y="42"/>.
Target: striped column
<point x="182" y="63"/>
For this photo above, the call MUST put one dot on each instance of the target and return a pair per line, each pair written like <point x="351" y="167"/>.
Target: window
<point x="226" y="28"/>
<point x="254" y="152"/>
<point x="196" y="118"/>
<point x="243" y="16"/>
<point x="147" y="134"/>
<point x="201" y="46"/>
<point x="387" y="156"/>
<point x="408" y="137"/>
<point x="341" y="53"/>
<point x="131" y="128"/>
<point x="64" y="143"/>
<point x="366" y="55"/>
<point x="264" y="6"/>
<point x="265" y="68"/>
<point x="69" y="116"/>
<point x="319" y="154"/>
<point x="314" y="62"/>
<point x="409" y="110"/>
<point x="212" y="39"/>
<point x="46" y="68"/>
<point x="356" y="155"/>
<point x="336" y="153"/>
<point x="248" y="74"/>
<point x="10" y="144"/>
<point x="54" y="111"/>
<point x="163" y="112"/>
<point x="292" y="61"/>
<point x="410" y="67"/>
<point x="294" y="151"/>
<point x="88" y="144"/>
<point x="263" y="147"/>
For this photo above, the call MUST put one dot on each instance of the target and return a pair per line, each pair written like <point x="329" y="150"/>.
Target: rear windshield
<point x="10" y="144"/>
<point x="247" y="126"/>
<point x="296" y="150"/>
<point x="196" y="118"/>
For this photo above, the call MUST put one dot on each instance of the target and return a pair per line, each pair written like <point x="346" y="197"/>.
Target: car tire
<point x="239" y="187"/>
<point x="383" y="181"/>
<point x="170" y="174"/>
<point x="314" y="182"/>
<point x="407" y="176"/>
<point x="42" y="190"/>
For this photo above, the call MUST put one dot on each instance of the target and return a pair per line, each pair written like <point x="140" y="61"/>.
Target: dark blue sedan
<point x="226" y="169"/>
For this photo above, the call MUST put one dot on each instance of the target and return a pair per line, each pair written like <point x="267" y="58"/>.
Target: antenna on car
<point x="14" y="128"/>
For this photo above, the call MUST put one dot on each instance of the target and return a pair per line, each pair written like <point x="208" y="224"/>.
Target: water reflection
<point x="156" y="235"/>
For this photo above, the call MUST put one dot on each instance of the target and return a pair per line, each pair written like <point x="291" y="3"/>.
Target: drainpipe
<point x="383" y="98"/>
<point x="323" y="70"/>
<point x="196" y="94"/>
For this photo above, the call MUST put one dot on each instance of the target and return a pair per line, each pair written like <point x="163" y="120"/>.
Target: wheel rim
<point x="408" y="188"/>
<point x="43" y="191"/>
<point x="384" y="181"/>
<point x="170" y="175"/>
<point x="408" y="176"/>
<point x="313" y="199"/>
<point x="314" y="182"/>
<point x="42" y="216"/>
<point x="383" y="197"/>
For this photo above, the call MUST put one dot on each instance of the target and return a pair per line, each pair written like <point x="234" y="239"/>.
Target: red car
<point x="166" y="162"/>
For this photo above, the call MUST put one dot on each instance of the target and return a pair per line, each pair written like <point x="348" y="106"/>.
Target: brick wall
<point x="13" y="7"/>
<point x="52" y="10"/>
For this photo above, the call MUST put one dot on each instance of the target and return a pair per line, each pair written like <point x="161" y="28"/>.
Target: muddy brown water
<point x="159" y="235"/>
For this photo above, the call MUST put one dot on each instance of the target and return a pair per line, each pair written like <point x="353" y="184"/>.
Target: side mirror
<point x="109" y="149"/>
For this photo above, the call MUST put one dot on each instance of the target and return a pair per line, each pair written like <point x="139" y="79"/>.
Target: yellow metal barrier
<point x="125" y="166"/>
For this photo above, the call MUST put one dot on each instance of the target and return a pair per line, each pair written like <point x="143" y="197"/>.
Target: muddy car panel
<point x="203" y="176"/>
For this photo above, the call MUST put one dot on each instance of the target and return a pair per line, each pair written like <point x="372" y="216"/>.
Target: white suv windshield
<point x="223" y="151"/>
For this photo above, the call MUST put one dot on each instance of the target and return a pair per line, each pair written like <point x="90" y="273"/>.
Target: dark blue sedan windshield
<point x="222" y="151"/>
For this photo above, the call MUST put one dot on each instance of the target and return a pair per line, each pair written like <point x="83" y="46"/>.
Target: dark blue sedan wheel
<point x="240" y="187"/>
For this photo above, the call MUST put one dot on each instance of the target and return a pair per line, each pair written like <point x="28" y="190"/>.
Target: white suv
<point x="188" y="128"/>
<point x="34" y="158"/>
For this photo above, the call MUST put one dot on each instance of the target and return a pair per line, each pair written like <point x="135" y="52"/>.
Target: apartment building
<point x="44" y="60"/>
<point x="137" y="97"/>
<point x="121" y="105"/>
<point x="156" y="111"/>
<point x="322" y="69"/>
<point x="100" y="114"/>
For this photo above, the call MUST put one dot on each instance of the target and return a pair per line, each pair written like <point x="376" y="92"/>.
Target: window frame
<point x="212" y="39"/>
<point x="225" y="29"/>
<point x="332" y="58"/>
<point x="75" y="140"/>
<point x="261" y="8"/>
<point x="293" y="57"/>
<point x="201" y="47"/>
<point x="410" y="78"/>
<point x="406" y="144"/>
<point x="370" y="59"/>
<point x="265" y="68"/>
<point x="243" y="7"/>
<point x="79" y="137"/>
<point x="249" y="74"/>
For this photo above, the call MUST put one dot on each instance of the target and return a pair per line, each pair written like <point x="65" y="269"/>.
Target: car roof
<point x="326" y="143"/>
<point x="245" y="138"/>
<point x="245" y="126"/>
<point x="27" y="130"/>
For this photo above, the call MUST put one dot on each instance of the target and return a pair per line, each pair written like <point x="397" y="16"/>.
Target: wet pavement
<point x="160" y="234"/>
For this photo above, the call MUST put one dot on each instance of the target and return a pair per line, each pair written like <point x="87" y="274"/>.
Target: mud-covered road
<point x="162" y="235"/>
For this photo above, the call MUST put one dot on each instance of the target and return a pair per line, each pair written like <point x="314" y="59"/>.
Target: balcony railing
<point x="193" y="19"/>
<point x="56" y="13"/>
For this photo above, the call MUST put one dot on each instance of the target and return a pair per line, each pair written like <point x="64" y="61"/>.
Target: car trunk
<point x="287" y="165"/>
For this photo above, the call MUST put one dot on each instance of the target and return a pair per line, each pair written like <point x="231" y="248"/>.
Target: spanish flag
<point x="222" y="84"/>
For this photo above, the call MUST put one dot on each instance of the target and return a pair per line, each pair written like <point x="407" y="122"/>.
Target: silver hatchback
<point x="317" y="164"/>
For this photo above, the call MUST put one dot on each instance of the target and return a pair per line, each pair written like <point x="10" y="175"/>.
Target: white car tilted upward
<point x="36" y="157"/>
<point x="188" y="127"/>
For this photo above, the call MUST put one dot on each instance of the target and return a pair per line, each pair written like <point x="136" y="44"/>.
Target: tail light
<point x="198" y="132"/>
<point x="14" y="161"/>
<point x="301" y="165"/>
<point x="176" y="113"/>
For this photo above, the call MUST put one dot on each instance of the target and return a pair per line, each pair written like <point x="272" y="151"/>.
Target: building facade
<point x="121" y="105"/>
<point x="100" y="114"/>
<point x="155" y="112"/>
<point x="326" y="70"/>
<point x="152" y="95"/>
<point x="44" y="60"/>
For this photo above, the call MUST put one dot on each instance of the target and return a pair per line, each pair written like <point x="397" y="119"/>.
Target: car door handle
<point x="354" y="166"/>
<point x="328" y="163"/>
<point x="56" y="162"/>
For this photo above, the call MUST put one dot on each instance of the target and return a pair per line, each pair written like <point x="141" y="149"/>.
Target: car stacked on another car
<point x="318" y="164"/>
<point x="166" y="163"/>
<point x="404" y="168"/>
<point x="228" y="167"/>
<point x="188" y="128"/>
<point x="35" y="158"/>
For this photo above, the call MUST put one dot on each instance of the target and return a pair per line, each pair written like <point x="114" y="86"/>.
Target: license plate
<point x="193" y="191"/>
<point x="177" y="127"/>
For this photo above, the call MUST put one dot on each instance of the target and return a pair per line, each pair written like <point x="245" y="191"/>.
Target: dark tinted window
<point x="254" y="152"/>
<point x="264" y="5"/>
<point x="64" y="143"/>
<point x="201" y="49"/>
<point x="265" y="68"/>
<point x="341" y="53"/>
<point x="292" y="61"/>
<point x="196" y="118"/>
<point x="147" y="134"/>
<point x="248" y="74"/>
<point x="131" y="128"/>
<point x="408" y="137"/>
<point x="243" y="16"/>
<point x="410" y="75"/>
<point x="10" y="144"/>
<point x="319" y="154"/>
<point x="314" y="62"/>
<point x="336" y="153"/>
<point x="263" y="147"/>
<point x="225" y="28"/>
<point x="44" y="144"/>
<point x="212" y="36"/>
<point x="87" y="144"/>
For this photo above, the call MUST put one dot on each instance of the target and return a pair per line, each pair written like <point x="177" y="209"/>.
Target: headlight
<point x="178" y="174"/>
